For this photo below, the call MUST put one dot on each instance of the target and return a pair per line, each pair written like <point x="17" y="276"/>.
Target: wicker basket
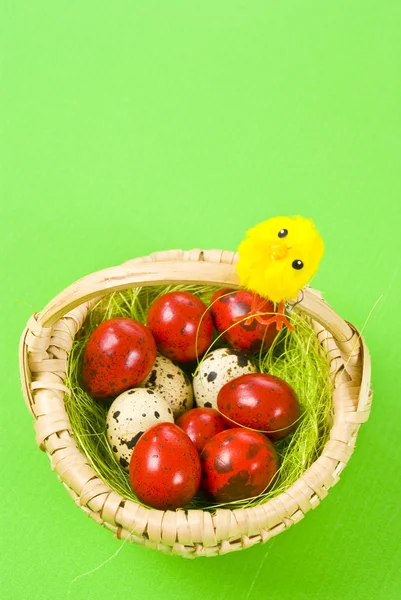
<point x="46" y="343"/>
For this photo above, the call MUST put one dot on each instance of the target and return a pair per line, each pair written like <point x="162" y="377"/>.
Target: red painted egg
<point x="175" y="319"/>
<point x="201" y="424"/>
<point x="165" y="467"/>
<point x="229" y="305"/>
<point x="237" y="464"/>
<point x="262" y="402"/>
<point x="119" y="354"/>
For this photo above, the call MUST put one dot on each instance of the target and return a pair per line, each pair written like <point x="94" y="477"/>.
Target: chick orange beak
<point x="279" y="251"/>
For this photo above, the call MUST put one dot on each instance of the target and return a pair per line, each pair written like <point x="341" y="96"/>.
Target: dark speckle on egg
<point x="157" y="414"/>
<point x="252" y="450"/>
<point x="133" y="441"/>
<point x="242" y="359"/>
<point x="116" y="415"/>
<point x="252" y="325"/>
<point x="240" y="482"/>
<point x="212" y="376"/>
<point x="152" y="378"/>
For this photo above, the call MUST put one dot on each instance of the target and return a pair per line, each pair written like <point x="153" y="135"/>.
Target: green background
<point x="129" y="127"/>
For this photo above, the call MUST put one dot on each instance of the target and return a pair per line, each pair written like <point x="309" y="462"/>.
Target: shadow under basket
<point x="44" y="351"/>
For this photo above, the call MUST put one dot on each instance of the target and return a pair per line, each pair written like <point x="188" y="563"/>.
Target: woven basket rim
<point x="44" y="350"/>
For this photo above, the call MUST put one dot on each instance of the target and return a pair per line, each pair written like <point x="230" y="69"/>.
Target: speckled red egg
<point x="119" y="354"/>
<point x="262" y="402"/>
<point x="237" y="464"/>
<point x="227" y="306"/>
<point x="165" y="467"/>
<point x="201" y="424"/>
<point x="175" y="319"/>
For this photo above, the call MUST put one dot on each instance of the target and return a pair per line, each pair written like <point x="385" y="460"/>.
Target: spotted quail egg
<point x="216" y="369"/>
<point x="171" y="382"/>
<point x="129" y="416"/>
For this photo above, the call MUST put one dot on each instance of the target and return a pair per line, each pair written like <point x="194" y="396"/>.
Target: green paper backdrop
<point x="129" y="127"/>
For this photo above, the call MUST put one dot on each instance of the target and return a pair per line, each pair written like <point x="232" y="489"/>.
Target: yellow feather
<point x="268" y="262"/>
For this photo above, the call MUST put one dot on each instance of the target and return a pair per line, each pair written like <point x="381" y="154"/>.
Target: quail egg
<point x="171" y="382"/>
<point x="216" y="369"/>
<point x="129" y="416"/>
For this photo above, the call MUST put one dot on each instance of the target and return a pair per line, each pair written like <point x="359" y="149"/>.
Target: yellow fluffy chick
<point x="279" y="257"/>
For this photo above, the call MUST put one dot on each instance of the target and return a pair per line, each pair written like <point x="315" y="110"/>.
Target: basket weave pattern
<point x="44" y="350"/>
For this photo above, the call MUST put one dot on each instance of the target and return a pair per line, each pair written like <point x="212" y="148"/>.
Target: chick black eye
<point x="297" y="264"/>
<point x="282" y="233"/>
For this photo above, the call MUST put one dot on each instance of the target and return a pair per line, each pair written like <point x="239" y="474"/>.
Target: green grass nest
<point x="294" y="356"/>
